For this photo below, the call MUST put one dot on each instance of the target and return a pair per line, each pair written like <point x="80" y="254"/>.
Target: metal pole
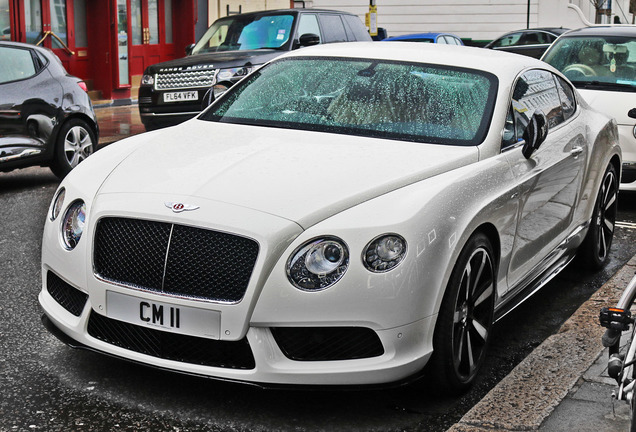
<point x="528" y="16"/>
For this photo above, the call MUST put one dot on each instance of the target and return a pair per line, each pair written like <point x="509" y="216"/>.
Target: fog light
<point x="384" y="253"/>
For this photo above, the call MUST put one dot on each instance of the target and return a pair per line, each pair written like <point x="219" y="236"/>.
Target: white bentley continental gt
<point x="348" y="214"/>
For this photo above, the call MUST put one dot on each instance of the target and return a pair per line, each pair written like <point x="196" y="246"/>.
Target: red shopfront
<point x="106" y="42"/>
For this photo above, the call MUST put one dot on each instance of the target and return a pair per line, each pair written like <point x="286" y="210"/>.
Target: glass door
<point x="122" y="42"/>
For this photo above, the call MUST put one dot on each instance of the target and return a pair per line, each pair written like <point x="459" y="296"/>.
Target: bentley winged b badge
<point x="178" y="207"/>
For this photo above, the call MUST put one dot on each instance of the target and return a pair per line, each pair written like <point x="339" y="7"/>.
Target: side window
<point x="308" y="24"/>
<point x="16" y="64"/>
<point x="531" y="38"/>
<point x="511" y="39"/>
<point x="452" y="40"/>
<point x="566" y="94"/>
<point x="355" y="26"/>
<point x="549" y="38"/>
<point x="534" y="90"/>
<point x="333" y="28"/>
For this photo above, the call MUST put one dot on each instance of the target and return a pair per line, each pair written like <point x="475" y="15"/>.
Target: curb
<point x="531" y="392"/>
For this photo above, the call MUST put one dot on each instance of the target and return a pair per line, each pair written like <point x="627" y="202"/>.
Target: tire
<point x="464" y="324"/>
<point x="75" y="142"/>
<point x="594" y="251"/>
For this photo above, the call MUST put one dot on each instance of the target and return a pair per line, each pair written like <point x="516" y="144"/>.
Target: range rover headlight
<point x="237" y="72"/>
<point x="318" y="264"/>
<point x="384" y="253"/>
<point x="147" y="80"/>
<point x="56" y="206"/>
<point x="73" y="224"/>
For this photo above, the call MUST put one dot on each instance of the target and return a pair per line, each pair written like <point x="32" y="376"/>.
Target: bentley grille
<point x="174" y="259"/>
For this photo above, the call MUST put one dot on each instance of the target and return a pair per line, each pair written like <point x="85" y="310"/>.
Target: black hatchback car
<point x="46" y="116"/>
<point x="530" y="42"/>
<point x="233" y="46"/>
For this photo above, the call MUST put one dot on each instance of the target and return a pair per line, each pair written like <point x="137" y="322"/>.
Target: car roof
<point x="607" y="30"/>
<point x="431" y="35"/>
<point x="501" y="64"/>
<point x="45" y="51"/>
<point x="553" y="30"/>
<point x="288" y="11"/>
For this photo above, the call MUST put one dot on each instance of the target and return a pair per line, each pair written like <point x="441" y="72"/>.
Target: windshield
<point x="246" y="33"/>
<point x="596" y="61"/>
<point x="404" y="101"/>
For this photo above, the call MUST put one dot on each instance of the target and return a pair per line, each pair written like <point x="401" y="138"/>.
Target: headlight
<point x="147" y="80"/>
<point x="384" y="253"/>
<point x="56" y="207"/>
<point x="73" y="224"/>
<point x="318" y="264"/>
<point x="238" y="72"/>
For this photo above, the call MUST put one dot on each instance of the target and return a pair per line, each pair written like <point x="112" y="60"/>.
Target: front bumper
<point x="257" y="358"/>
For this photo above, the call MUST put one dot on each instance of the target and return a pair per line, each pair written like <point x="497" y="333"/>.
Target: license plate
<point x="180" y="96"/>
<point x="163" y="316"/>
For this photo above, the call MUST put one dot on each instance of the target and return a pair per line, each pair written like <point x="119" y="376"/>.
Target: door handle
<point x="576" y="150"/>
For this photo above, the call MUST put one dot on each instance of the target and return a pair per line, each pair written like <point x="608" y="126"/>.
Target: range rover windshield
<point x="394" y="100"/>
<point x="596" y="62"/>
<point x="246" y="32"/>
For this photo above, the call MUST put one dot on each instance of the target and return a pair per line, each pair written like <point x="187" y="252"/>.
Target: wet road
<point x="48" y="386"/>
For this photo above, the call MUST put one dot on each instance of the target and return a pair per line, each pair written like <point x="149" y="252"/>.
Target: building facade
<point x="479" y="21"/>
<point x="108" y="43"/>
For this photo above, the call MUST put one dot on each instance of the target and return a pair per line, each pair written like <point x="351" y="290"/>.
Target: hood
<point x="301" y="176"/>
<point x="217" y="60"/>
<point x="613" y="103"/>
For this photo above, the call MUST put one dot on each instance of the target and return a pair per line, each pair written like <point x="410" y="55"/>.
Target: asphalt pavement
<point x="561" y="386"/>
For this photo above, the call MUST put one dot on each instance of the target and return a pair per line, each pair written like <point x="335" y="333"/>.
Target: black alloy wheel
<point x="595" y="249"/>
<point x="463" y="330"/>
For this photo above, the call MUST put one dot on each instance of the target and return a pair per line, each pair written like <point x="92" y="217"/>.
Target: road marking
<point x="628" y="225"/>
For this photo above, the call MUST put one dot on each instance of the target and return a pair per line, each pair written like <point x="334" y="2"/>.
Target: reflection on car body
<point x="349" y="230"/>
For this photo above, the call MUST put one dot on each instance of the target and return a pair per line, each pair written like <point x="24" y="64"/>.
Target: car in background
<point x="529" y="42"/>
<point x="233" y="46"/>
<point x="352" y="228"/>
<point x="601" y="62"/>
<point x="442" y="38"/>
<point x="46" y="116"/>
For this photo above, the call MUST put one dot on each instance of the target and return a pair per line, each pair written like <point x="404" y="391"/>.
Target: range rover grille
<point x="185" y="79"/>
<point x="174" y="259"/>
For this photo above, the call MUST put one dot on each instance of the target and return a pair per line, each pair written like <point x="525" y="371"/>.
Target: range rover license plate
<point x="163" y="316"/>
<point x="181" y="96"/>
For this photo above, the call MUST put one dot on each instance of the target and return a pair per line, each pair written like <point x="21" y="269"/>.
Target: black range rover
<point x="171" y="92"/>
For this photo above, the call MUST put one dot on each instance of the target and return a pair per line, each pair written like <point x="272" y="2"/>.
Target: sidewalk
<point x="563" y="384"/>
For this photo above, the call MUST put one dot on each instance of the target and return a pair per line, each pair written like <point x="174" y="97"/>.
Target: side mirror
<point x="309" y="39"/>
<point x="535" y="133"/>
<point x="632" y="113"/>
<point x="188" y="49"/>
<point x="208" y="98"/>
